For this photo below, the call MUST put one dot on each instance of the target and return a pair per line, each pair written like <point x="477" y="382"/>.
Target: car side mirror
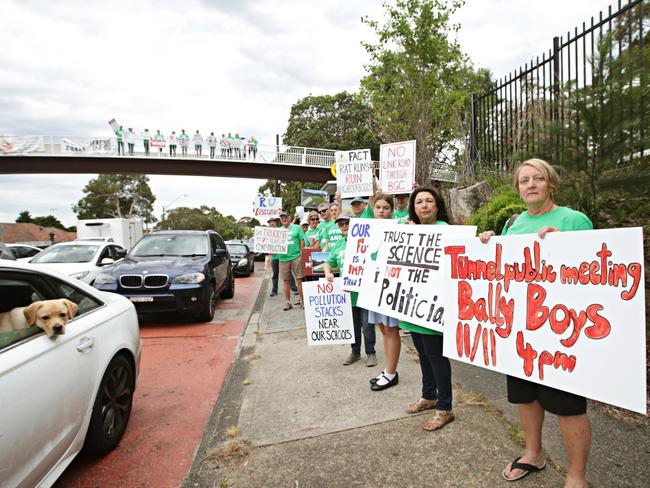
<point x="219" y="253"/>
<point x="106" y="261"/>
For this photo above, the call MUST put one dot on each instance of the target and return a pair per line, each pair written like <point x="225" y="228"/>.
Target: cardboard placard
<point x="328" y="313"/>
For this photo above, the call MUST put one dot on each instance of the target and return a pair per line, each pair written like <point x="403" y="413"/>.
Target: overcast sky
<point x="67" y="67"/>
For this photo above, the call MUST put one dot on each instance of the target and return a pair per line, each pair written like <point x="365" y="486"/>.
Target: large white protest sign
<point x="21" y="144"/>
<point x="407" y="279"/>
<point x="567" y="311"/>
<point x="397" y="167"/>
<point x="365" y="236"/>
<point x="328" y="313"/>
<point x="272" y="240"/>
<point x="91" y="146"/>
<point x="266" y="206"/>
<point x="354" y="173"/>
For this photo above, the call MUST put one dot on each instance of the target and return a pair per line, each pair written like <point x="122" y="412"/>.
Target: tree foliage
<point x="341" y="121"/>
<point x="117" y="196"/>
<point x="25" y="217"/>
<point x="418" y="79"/>
<point x="208" y="218"/>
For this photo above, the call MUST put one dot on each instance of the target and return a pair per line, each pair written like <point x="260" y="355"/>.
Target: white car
<point x="24" y="252"/>
<point x="80" y="259"/>
<point x="72" y="391"/>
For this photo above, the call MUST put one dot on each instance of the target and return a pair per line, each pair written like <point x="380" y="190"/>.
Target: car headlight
<point x="242" y="262"/>
<point x="189" y="278"/>
<point x="80" y="275"/>
<point x="105" y="279"/>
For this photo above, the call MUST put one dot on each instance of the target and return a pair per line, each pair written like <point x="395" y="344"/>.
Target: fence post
<point x="555" y="115"/>
<point x="473" y="150"/>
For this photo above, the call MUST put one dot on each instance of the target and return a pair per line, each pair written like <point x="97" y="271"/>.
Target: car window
<point x="67" y="254"/>
<point x="17" y="293"/>
<point x="171" y="245"/>
<point x="85" y="302"/>
<point x="237" y="249"/>
<point x="23" y="289"/>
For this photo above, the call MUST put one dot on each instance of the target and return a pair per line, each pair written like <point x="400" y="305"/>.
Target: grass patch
<point x="252" y="357"/>
<point x="231" y="449"/>
<point x="247" y="382"/>
<point x="232" y="431"/>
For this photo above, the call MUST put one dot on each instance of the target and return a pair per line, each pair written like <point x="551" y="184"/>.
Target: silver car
<point x="70" y="392"/>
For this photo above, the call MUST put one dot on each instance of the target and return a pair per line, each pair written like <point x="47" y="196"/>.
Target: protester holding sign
<point x="359" y="315"/>
<point x="172" y="141"/>
<point x="184" y="141"/>
<point x="290" y="263"/>
<point x="388" y="326"/>
<point x="426" y="206"/>
<point x="119" y="134"/>
<point x="312" y="232"/>
<point x="536" y="182"/>
<point x="146" y="137"/>
<point x="329" y="231"/>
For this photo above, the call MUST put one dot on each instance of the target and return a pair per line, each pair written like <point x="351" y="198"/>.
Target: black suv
<point x="173" y="271"/>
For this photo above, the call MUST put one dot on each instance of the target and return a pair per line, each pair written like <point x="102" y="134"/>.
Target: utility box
<point x="125" y="232"/>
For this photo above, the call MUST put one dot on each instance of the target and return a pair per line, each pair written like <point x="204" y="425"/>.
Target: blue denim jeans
<point x="436" y="369"/>
<point x="360" y="321"/>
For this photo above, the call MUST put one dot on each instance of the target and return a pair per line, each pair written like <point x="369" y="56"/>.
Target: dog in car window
<point x="49" y="315"/>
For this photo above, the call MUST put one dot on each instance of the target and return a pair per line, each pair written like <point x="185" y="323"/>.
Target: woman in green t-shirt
<point x="426" y="206"/>
<point x="536" y="182"/>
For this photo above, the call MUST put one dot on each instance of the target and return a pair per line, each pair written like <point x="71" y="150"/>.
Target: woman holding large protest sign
<point x="389" y="326"/>
<point x="426" y="206"/>
<point x="336" y="260"/>
<point x="536" y="182"/>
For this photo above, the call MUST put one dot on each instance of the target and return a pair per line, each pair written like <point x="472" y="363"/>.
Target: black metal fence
<point x="514" y="120"/>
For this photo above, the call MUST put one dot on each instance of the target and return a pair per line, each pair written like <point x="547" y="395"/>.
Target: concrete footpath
<point x="290" y="415"/>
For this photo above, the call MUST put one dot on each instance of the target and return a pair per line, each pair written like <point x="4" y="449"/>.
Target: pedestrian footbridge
<point x="68" y="154"/>
<point x="96" y="155"/>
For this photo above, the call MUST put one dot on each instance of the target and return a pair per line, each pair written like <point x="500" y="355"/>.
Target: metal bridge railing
<point x="83" y="146"/>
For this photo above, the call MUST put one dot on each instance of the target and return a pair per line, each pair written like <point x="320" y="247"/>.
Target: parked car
<point x="243" y="260"/>
<point x="173" y="271"/>
<point x="70" y="392"/>
<point x="6" y="253"/>
<point x="24" y="252"/>
<point x="81" y="260"/>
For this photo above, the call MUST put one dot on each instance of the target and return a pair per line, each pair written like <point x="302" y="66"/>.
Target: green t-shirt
<point x="367" y="213"/>
<point x="311" y="234"/>
<point x="337" y="259"/>
<point x="295" y="236"/>
<point x="564" y="218"/>
<point x="331" y="233"/>
<point x="120" y="134"/>
<point x="418" y="328"/>
<point x="402" y="216"/>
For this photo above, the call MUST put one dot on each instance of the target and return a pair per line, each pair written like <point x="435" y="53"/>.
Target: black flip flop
<point x="527" y="469"/>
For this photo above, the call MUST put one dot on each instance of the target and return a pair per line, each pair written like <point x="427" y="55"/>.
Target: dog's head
<point x="50" y="315"/>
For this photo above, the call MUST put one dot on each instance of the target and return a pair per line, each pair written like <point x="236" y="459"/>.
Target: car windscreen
<point x="66" y="254"/>
<point x="171" y="245"/>
<point x="236" y="248"/>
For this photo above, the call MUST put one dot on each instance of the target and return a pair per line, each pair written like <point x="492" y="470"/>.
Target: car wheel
<point x="229" y="291"/>
<point x="207" y="312"/>
<point x="112" y="407"/>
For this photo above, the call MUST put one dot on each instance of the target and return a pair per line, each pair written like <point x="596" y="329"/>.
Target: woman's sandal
<point x="439" y="420"/>
<point x="421" y="405"/>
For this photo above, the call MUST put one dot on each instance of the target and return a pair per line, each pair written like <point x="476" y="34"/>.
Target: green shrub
<point x="502" y="205"/>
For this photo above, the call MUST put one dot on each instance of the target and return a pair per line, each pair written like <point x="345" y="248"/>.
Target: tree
<point x="206" y="218"/>
<point x="341" y="121"/>
<point x="418" y="79"/>
<point x="117" y="196"/>
<point x="24" y="217"/>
